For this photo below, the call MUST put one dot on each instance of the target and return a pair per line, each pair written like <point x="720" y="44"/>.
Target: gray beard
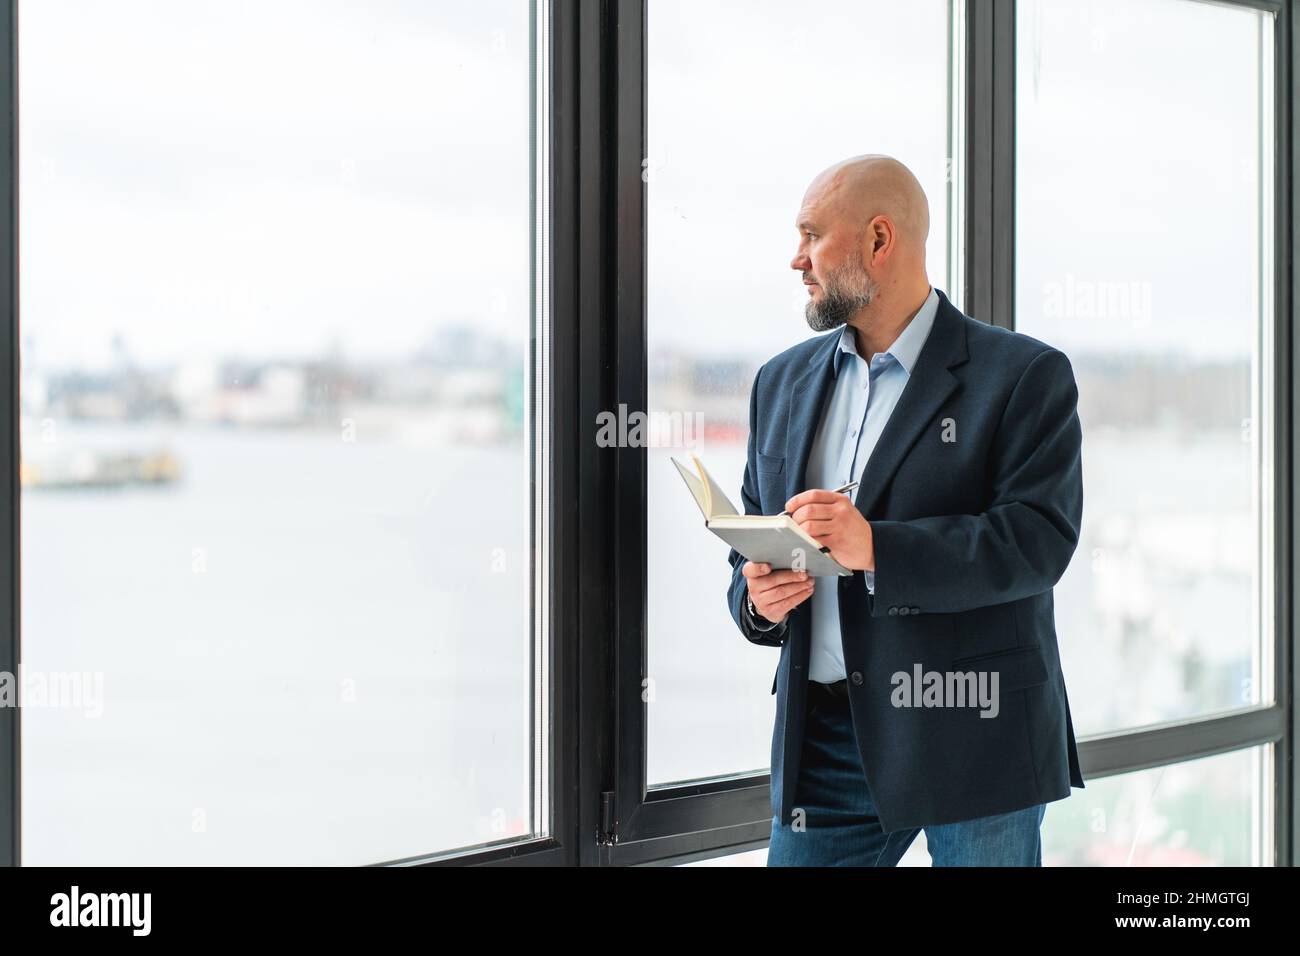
<point x="836" y="308"/>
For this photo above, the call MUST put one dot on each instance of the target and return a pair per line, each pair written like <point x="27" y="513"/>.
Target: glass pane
<point x="745" y="106"/>
<point x="1208" y="812"/>
<point x="1144" y="236"/>
<point x="277" y="429"/>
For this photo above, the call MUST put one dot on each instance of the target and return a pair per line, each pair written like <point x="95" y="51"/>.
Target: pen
<point x="849" y="487"/>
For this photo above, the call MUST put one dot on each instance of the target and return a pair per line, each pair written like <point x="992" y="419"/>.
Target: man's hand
<point x="835" y="522"/>
<point x="776" y="593"/>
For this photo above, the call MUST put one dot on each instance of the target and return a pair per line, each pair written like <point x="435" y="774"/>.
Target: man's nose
<point x="800" y="262"/>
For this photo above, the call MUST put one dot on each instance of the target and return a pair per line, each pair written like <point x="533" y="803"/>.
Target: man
<point x="924" y="691"/>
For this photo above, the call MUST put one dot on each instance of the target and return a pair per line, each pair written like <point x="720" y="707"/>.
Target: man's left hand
<point x="835" y="522"/>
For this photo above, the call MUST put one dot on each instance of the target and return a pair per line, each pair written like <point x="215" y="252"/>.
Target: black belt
<point x="829" y="696"/>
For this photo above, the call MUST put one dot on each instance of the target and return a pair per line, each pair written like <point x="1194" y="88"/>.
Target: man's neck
<point x="877" y="332"/>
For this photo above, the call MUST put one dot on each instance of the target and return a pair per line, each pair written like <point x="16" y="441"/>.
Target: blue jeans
<point x="840" y="826"/>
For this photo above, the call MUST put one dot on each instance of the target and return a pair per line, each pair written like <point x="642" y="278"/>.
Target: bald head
<point x="862" y="232"/>
<point x="864" y="187"/>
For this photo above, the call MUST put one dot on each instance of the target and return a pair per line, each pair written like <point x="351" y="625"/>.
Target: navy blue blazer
<point x="974" y="494"/>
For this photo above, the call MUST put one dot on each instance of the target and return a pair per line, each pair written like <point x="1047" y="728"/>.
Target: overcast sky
<point x="210" y="177"/>
<point x="1137" y="163"/>
<point x="213" y="178"/>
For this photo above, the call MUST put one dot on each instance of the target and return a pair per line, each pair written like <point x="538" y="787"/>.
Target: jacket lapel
<point x="807" y="396"/>
<point x="926" y="390"/>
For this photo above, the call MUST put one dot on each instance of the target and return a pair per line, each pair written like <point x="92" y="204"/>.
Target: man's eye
<point x="811" y="235"/>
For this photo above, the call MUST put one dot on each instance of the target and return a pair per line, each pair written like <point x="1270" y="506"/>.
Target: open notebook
<point x="764" y="539"/>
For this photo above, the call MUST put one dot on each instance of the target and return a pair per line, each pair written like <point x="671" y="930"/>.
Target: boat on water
<point x="88" y="468"/>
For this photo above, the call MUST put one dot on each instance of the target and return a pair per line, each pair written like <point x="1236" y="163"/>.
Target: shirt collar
<point x="906" y="349"/>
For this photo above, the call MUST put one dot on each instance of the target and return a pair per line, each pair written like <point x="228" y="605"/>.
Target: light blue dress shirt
<point x="857" y="410"/>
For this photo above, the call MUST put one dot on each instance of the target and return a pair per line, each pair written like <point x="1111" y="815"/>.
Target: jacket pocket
<point x="1016" y="667"/>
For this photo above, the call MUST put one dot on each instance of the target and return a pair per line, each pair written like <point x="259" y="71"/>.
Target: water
<point x="312" y="651"/>
<point x="316" y="651"/>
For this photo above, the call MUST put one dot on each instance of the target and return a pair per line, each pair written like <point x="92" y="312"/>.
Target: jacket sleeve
<point x="1023" y="542"/>
<point x="738" y="590"/>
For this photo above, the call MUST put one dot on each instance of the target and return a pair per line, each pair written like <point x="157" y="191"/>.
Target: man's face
<point x="830" y="259"/>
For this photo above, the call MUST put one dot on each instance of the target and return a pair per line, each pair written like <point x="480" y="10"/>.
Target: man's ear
<point x="879" y="239"/>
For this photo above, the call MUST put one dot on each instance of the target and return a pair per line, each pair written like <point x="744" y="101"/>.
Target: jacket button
<point x="904" y="610"/>
<point x="856" y="677"/>
<point x="893" y="610"/>
<point x="916" y="610"/>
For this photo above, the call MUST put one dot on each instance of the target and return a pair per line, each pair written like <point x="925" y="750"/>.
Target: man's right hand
<point x="776" y="593"/>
